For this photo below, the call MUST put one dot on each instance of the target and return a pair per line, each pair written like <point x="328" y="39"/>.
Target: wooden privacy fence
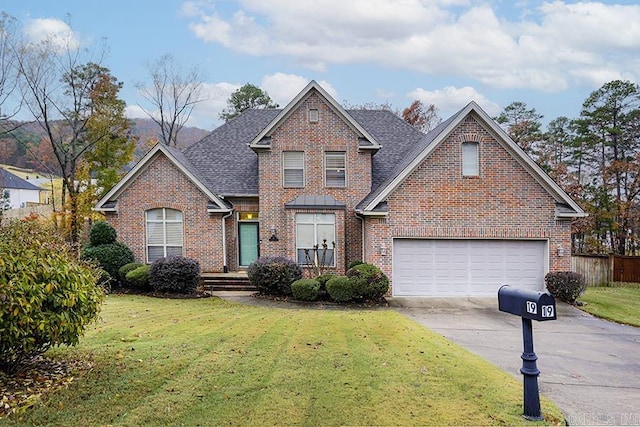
<point x="603" y="269"/>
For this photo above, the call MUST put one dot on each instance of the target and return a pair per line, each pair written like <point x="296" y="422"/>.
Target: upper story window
<point x="164" y="233"/>
<point x="470" y="159"/>
<point x="293" y="168"/>
<point x="335" y="173"/>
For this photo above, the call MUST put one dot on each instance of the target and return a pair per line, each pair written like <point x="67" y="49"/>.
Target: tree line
<point x="595" y="158"/>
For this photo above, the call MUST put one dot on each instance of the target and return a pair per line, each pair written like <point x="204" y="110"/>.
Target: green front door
<point x="248" y="241"/>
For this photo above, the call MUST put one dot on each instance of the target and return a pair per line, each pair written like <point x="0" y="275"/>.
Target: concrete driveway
<point x="589" y="367"/>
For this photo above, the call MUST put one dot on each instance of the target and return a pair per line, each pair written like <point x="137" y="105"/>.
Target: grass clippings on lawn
<point x="212" y="362"/>
<point x="619" y="304"/>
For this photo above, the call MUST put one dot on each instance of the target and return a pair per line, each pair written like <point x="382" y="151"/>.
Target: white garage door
<point x="466" y="267"/>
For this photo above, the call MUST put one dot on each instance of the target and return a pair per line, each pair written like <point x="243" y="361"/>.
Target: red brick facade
<point x="297" y="133"/>
<point x="162" y="184"/>
<point x="437" y="202"/>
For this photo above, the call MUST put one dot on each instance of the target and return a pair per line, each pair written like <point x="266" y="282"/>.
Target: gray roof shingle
<point x="9" y="180"/>
<point x="229" y="167"/>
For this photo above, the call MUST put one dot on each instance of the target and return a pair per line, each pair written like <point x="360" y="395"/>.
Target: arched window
<point x="470" y="159"/>
<point x="164" y="233"/>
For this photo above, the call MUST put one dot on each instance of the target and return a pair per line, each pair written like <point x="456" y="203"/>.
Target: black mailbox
<point x="526" y="304"/>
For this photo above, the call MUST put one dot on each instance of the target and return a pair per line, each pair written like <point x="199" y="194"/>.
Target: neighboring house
<point x="459" y="211"/>
<point x="17" y="191"/>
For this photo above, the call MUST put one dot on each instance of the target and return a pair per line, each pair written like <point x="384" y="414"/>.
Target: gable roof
<point x="434" y="138"/>
<point x="262" y="139"/>
<point x="109" y="201"/>
<point x="229" y="166"/>
<point x="11" y="181"/>
<point x="224" y="157"/>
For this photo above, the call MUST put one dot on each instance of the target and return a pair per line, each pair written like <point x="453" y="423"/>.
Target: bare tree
<point x="8" y="73"/>
<point x="421" y="117"/>
<point x="172" y="93"/>
<point x="62" y="87"/>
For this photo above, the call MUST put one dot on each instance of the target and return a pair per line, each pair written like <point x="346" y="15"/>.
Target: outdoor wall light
<point x="560" y="251"/>
<point x="383" y="250"/>
<point x="273" y="237"/>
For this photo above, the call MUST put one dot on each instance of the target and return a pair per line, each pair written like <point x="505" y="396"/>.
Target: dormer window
<point x="470" y="159"/>
<point x="314" y="115"/>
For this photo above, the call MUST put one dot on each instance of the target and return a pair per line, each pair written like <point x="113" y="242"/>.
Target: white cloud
<point x="555" y="45"/>
<point x="282" y="88"/>
<point x="54" y="31"/>
<point x="450" y="99"/>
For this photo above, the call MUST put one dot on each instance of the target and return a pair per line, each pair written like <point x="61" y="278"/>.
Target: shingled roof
<point x="227" y="164"/>
<point x="11" y="181"/>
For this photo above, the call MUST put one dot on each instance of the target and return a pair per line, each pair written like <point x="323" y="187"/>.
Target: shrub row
<point x="279" y="276"/>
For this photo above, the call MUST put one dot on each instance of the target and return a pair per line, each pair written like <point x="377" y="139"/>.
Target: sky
<point x="548" y="54"/>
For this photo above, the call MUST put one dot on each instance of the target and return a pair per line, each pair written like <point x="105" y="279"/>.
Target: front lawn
<point x="211" y="362"/>
<point x="619" y="304"/>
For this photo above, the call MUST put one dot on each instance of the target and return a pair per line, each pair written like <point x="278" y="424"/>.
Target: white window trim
<point x="315" y="224"/>
<point x="284" y="168"/>
<point x="164" y="222"/>
<point x="344" y="157"/>
<point x="466" y="171"/>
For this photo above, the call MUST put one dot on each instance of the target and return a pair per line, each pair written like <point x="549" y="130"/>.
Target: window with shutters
<point x="293" y="168"/>
<point x="164" y="233"/>
<point x="470" y="159"/>
<point x="335" y="173"/>
<point x="315" y="229"/>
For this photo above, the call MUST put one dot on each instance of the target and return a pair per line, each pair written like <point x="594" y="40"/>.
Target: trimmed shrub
<point x="139" y="277"/>
<point x="273" y="275"/>
<point x="102" y="233"/>
<point x="340" y="289"/>
<point x="111" y="256"/>
<point x="122" y="271"/>
<point x="354" y="263"/>
<point x="567" y="286"/>
<point x="47" y="296"/>
<point x="368" y="282"/>
<point x="305" y="289"/>
<point x="323" y="279"/>
<point x="175" y="274"/>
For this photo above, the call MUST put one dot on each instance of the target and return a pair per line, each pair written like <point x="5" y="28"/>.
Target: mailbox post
<point x="529" y="305"/>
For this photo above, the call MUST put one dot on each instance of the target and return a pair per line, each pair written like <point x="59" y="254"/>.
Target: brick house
<point x="457" y="212"/>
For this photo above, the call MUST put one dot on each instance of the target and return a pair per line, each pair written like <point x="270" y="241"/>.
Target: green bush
<point x="175" y="274"/>
<point x="122" y="271"/>
<point x="305" y="289"/>
<point x="323" y="279"/>
<point x="111" y="256"/>
<point x="47" y="295"/>
<point x="102" y="233"/>
<point x="340" y="289"/>
<point x="139" y="278"/>
<point x="354" y="263"/>
<point x="273" y="275"/>
<point x="567" y="286"/>
<point x="368" y="282"/>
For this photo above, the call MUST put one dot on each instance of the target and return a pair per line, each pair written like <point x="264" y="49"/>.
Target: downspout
<point x="361" y="218"/>
<point x="225" y="267"/>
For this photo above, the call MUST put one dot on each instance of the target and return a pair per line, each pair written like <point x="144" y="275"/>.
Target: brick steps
<point x="226" y="282"/>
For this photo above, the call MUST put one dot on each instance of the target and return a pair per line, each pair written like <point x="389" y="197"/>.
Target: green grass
<point x="619" y="304"/>
<point x="212" y="362"/>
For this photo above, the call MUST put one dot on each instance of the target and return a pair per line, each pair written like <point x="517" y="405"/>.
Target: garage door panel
<point x="466" y="267"/>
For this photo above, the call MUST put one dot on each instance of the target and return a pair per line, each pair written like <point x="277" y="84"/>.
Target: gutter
<point x="361" y="218"/>
<point x="225" y="267"/>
